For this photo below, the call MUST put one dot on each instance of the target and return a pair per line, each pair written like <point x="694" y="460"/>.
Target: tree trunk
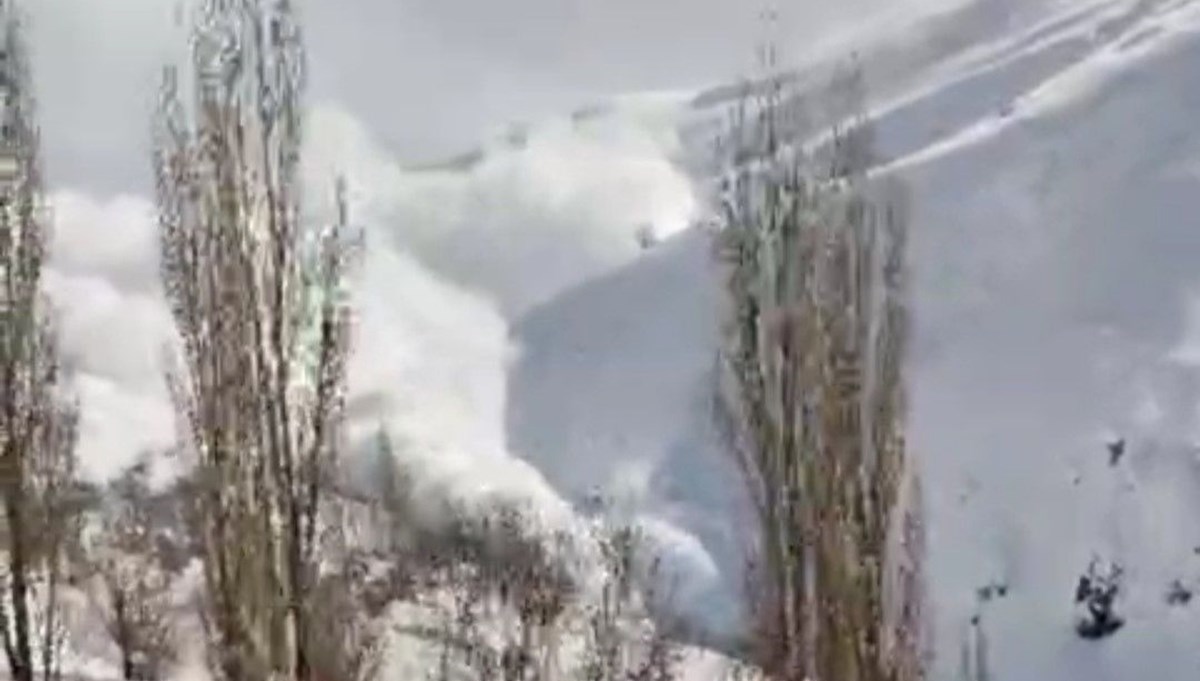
<point x="22" y="666"/>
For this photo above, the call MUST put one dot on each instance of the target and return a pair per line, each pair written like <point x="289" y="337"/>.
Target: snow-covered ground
<point x="517" y="341"/>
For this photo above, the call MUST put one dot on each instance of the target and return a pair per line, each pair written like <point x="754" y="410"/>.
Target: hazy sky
<point x="429" y="77"/>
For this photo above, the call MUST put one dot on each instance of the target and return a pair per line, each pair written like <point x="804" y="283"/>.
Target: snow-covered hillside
<point x="618" y="373"/>
<point x="1055" y="169"/>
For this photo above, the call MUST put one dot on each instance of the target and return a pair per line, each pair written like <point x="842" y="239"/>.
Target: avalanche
<point x="520" y="344"/>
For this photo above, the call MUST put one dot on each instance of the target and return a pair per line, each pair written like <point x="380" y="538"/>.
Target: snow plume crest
<point x="530" y="215"/>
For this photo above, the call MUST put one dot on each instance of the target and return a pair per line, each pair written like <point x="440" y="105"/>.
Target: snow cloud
<point x="529" y="216"/>
<point x="452" y="256"/>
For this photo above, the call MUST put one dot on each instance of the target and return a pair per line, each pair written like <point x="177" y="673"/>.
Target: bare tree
<point x="817" y="330"/>
<point x="38" y="417"/>
<point x="263" y="324"/>
<point x="135" y="599"/>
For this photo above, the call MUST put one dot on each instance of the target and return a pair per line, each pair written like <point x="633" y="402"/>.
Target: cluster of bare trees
<point x="511" y="608"/>
<point x="816" y="335"/>
<point x="136" y="564"/>
<point x="621" y="641"/>
<point x="263" y="323"/>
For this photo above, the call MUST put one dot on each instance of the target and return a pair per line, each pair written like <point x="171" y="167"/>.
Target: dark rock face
<point x="1178" y="594"/>
<point x="1096" y="594"/>
<point x="1116" y="450"/>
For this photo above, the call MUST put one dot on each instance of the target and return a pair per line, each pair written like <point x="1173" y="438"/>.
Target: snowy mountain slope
<point x="613" y="395"/>
<point x="1055" y="174"/>
<point x="1053" y="65"/>
<point x="1056" y="257"/>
